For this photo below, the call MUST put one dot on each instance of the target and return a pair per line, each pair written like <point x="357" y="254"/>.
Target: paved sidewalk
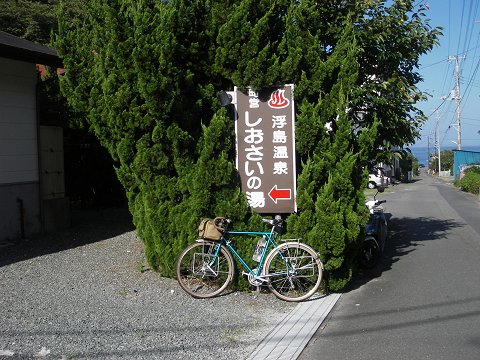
<point x="291" y="335"/>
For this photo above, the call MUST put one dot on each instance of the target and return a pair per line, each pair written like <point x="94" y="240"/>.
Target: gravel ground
<point x="87" y="293"/>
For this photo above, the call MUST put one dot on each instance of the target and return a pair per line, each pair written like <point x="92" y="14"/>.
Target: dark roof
<point x="13" y="47"/>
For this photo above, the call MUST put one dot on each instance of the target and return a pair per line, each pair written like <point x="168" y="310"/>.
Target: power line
<point x="438" y="107"/>
<point x="461" y="27"/>
<point x="470" y="22"/>
<point x="430" y="65"/>
<point x="468" y="43"/>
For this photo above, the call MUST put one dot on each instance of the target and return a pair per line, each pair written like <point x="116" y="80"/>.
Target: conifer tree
<point x="330" y="186"/>
<point x="138" y="69"/>
<point x="146" y="72"/>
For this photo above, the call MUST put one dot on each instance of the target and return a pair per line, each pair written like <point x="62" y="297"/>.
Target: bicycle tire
<point x="294" y="271"/>
<point x="199" y="274"/>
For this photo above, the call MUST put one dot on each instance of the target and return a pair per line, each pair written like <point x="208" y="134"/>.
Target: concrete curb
<point x="288" y="339"/>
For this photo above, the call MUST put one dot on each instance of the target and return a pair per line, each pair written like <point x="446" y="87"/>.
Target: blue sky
<point x="460" y="20"/>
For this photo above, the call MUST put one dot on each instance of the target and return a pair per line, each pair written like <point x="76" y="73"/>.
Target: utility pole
<point x="428" y="154"/>
<point x="431" y="156"/>
<point x="437" y="142"/>
<point x="457" y="96"/>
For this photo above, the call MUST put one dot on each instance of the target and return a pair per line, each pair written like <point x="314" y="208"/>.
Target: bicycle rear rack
<point x="298" y="240"/>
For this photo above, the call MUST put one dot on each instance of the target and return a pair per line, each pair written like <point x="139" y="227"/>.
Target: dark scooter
<point x="375" y="234"/>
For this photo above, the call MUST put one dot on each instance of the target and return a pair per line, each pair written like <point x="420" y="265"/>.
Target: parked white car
<point x="375" y="181"/>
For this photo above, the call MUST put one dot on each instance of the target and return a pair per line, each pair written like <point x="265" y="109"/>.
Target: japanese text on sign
<point x="265" y="149"/>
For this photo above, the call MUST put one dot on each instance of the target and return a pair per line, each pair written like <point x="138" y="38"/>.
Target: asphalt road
<point x="423" y="301"/>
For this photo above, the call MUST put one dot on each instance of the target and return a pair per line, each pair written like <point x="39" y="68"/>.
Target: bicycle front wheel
<point x="294" y="271"/>
<point x="204" y="269"/>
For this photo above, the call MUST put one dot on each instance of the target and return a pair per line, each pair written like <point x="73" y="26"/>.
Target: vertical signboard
<point x="265" y="130"/>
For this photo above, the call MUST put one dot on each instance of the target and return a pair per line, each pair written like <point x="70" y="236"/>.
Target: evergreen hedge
<point x="145" y="73"/>
<point x="471" y="180"/>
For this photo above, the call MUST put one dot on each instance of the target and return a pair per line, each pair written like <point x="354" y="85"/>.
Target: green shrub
<point x="471" y="180"/>
<point x="473" y="169"/>
<point x="145" y="74"/>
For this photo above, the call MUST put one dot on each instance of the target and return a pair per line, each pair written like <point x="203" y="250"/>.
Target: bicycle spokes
<point x="204" y="269"/>
<point x="207" y="265"/>
<point x="294" y="272"/>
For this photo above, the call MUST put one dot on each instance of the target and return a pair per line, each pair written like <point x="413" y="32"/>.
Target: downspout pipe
<point x="21" y="210"/>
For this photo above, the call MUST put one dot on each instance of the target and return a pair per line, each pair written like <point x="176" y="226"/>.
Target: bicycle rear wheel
<point x="294" y="271"/>
<point x="204" y="270"/>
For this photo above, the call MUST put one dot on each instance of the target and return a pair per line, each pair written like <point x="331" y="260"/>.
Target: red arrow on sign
<point x="280" y="194"/>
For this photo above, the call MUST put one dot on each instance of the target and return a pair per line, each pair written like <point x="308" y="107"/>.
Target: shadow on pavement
<point x="87" y="226"/>
<point x="404" y="236"/>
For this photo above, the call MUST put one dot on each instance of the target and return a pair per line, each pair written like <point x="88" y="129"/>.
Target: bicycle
<point x="292" y="270"/>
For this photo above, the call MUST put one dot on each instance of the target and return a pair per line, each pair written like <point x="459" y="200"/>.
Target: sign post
<point x="265" y="131"/>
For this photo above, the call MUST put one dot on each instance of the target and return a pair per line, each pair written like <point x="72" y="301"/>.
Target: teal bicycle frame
<point x="291" y="269"/>
<point x="269" y="236"/>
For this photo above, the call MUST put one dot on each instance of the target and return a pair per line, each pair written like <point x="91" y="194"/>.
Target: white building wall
<point x="18" y="128"/>
<point x="19" y="165"/>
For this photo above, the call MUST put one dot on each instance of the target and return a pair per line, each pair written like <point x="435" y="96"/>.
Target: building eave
<point x="15" y="48"/>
